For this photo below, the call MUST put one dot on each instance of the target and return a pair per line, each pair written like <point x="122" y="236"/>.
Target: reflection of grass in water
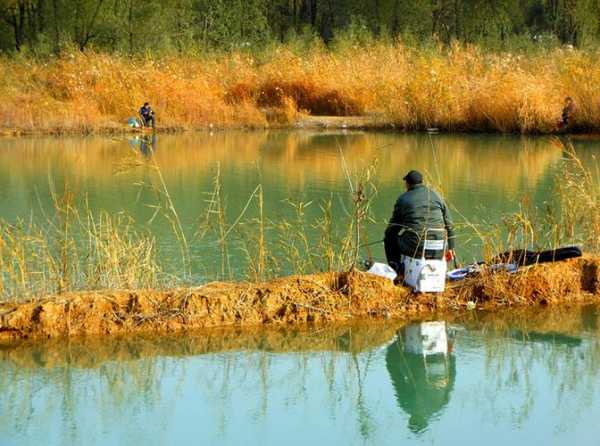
<point x="131" y="369"/>
<point x="493" y="162"/>
<point x="128" y="374"/>
<point x="517" y="342"/>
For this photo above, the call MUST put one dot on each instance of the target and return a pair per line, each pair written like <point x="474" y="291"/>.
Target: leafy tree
<point x="135" y="26"/>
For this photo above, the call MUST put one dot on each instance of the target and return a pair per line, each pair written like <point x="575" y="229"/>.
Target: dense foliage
<point x="133" y="26"/>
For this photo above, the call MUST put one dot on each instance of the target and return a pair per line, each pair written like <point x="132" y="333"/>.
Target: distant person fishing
<point x="417" y="211"/>
<point x="147" y="116"/>
<point x="567" y="114"/>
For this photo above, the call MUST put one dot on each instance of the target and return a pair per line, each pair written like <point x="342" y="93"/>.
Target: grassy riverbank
<point x="460" y="88"/>
<point x="328" y="297"/>
<point x="293" y="300"/>
<point x="94" y="273"/>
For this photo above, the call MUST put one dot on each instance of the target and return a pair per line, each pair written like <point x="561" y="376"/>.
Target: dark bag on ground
<point x="511" y="260"/>
<point x="521" y="257"/>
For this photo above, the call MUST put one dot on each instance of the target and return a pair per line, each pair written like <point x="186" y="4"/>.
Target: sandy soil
<point x="312" y="299"/>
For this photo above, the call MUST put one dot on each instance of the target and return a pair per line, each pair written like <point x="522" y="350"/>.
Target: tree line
<point x="134" y="26"/>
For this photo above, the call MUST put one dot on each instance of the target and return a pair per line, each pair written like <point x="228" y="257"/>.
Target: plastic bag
<point x="383" y="270"/>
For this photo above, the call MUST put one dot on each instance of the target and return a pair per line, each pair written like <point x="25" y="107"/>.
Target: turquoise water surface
<point x="512" y="378"/>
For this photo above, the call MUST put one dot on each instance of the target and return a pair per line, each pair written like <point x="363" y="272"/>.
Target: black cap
<point x="413" y="177"/>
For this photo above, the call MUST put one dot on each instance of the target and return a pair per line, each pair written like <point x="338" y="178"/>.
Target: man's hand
<point x="449" y="255"/>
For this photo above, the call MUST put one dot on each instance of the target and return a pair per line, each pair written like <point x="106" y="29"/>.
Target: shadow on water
<point x="422" y="369"/>
<point x="146" y="144"/>
<point x="550" y="337"/>
<point x="91" y="353"/>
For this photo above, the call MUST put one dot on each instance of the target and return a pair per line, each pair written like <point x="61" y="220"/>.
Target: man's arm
<point x="395" y="223"/>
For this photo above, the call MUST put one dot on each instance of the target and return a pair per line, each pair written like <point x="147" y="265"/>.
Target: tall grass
<point x="456" y="88"/>
<point x="77" y="249"/>
<point x="98" y="251"/>
<point x="571" y="217"/>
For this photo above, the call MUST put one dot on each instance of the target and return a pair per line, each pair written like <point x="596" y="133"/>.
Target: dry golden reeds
<point x="571" y="217"/>
<point x="75" y="250"/>
<point x="456" y="88"/>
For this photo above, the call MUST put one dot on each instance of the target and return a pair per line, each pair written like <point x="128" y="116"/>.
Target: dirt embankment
<point x="327" y="297"/>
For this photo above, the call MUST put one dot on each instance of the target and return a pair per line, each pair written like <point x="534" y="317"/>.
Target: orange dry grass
<point x="326" y="297"/>
<point x="461" y="88"/>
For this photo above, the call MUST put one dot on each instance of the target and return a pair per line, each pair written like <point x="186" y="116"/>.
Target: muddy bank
<point x="109" y="130"/>
<point x="371" y="122"/>
<point x="366" y="123"/>
<point x="318" y="298"/>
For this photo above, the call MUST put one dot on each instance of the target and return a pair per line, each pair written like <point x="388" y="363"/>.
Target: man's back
<point x="419" y="208"/>
<point x="416" y="210"/>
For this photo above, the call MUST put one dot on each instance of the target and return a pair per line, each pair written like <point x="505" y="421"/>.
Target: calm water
<point x="523" y="378"/>
<point x="518" y="378"/>
<point x="483" y="176"/>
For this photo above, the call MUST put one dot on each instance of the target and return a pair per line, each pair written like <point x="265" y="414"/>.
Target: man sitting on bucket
<point x="416" y="210"/>
<point x="147" y="116"/>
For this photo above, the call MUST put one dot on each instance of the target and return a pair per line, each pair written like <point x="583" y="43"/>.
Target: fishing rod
<point x="364" y="245"/>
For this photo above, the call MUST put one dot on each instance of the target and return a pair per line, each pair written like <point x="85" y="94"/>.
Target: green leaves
<point x="139" y="26"/>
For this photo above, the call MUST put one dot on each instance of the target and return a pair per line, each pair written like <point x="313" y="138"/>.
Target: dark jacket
<point x="146" y="112"/>
<point x="418" y="209"/>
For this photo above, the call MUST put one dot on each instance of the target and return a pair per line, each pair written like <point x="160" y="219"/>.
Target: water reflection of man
<point x="422" y="374"/>
<point x="147" y="144"/>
